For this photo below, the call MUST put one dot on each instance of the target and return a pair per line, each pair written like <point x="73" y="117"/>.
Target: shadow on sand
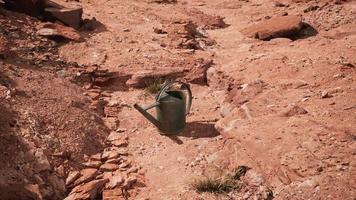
<point x="195" y="130"/>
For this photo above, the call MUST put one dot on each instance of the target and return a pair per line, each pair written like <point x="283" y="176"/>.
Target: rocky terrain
<point x="274" y="97"/>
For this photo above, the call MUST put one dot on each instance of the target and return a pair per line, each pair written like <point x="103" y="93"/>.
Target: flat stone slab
<point x="284" y="26"/>
<point x="51" y="30"/>
<point x="69" y="16"/>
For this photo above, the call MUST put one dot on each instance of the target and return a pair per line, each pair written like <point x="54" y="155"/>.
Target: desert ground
<point x="273" y="109"/>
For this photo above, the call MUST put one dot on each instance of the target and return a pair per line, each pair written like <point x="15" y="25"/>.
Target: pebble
<point x="192" y="164"/>
<point x="325" y="94"/>
<point x="339" y="76"/>
<point x="121" y="130"/>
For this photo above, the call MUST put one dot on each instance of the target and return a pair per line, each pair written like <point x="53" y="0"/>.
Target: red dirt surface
<point x="284" y="107"/>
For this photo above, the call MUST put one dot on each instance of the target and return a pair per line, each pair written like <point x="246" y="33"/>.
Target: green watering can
<point x="171" y="107"/>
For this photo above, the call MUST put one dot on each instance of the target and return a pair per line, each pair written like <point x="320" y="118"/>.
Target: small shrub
<point x="223" y="184"/>
<point x="238" y="172"/>
<point x="215" y="185"/>
<point x="154" y="85"/>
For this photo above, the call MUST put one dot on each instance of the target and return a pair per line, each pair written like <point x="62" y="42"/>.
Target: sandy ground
<point x="285" y="108"/>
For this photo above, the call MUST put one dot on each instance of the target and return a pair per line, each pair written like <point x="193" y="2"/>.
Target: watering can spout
<point x="148" y="116"/>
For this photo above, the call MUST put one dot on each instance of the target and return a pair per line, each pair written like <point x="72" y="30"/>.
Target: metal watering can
<point x="171" y="107"/>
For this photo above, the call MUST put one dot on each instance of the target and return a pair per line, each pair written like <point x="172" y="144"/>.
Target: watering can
<point x="171" y="108"/>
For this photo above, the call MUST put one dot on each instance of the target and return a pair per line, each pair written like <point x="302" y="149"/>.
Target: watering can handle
<point x="169" y="84"/>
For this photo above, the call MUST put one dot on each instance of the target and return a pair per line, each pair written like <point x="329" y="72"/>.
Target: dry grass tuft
<point x="154" y="85"/>
<point x="222" y="184"/>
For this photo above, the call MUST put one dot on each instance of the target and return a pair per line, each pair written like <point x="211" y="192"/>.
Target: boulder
<point x="284" y="26"/>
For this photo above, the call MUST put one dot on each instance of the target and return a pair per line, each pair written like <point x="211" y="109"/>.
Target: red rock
<point x="295" y="110"/>
<point x="285" y="26"/>
<point x="93" y="163"/>
<point x="88" y="190"/>
<point x="34" y="191"/>
<point x="129" y="182"/>
<point x="30" y="7"/>
<point x="58" y="184"/>
<point x="57" y="30"/>
<point x="96" y="157"/>
<point x="72" y="176"/>
<point x="117" y="139"/>
<point x="42" y="163"/>
<point x="114" y="136"/>
<point x="116" y="180"/>
<point x="93" y="95"/>
<point x="142" y="78"/>
<point x="86" y="175"/>
<point x="115" y="194"/>
<point x="125" y="165"/>
<point x="106" y="175"/>
<point x="60" y="171"/>
<point x="198" y="74"/>
<point x="341" y="32"/>
<point x="113" y="152"/>
<point x="120" y="143"/>
<point x="109" y="167"/>
<point x="69" y="16"/>
<point x="114" y="160"/>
